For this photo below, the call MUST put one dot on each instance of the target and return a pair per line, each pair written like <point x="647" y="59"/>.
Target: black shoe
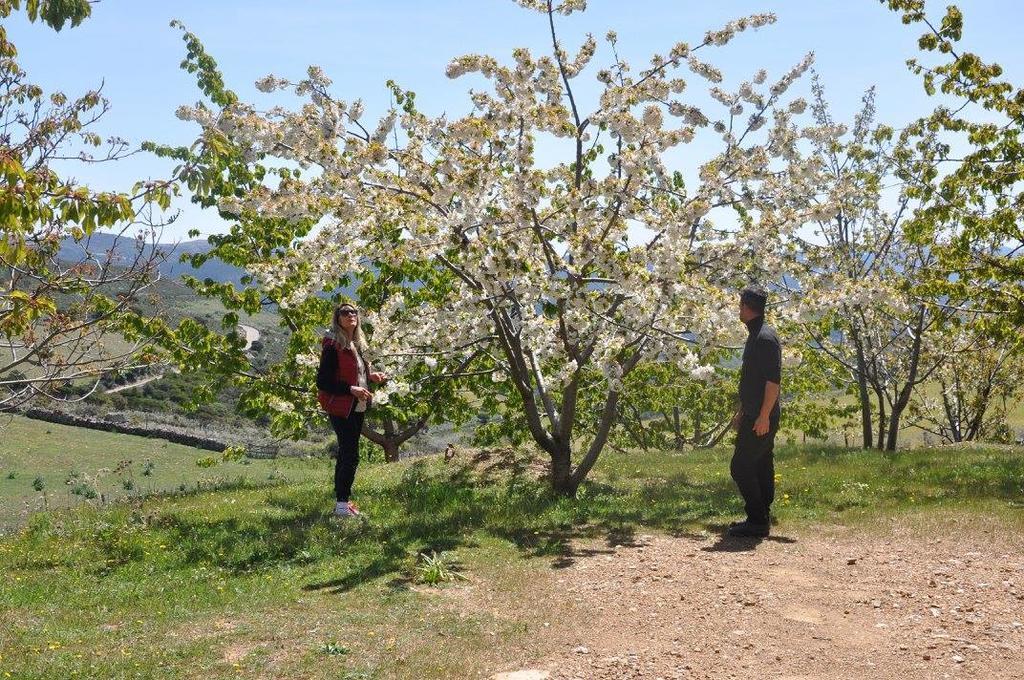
<point x="745" y="521"/>
<point x="771" y="521"/>
<point x="749" y="529"/>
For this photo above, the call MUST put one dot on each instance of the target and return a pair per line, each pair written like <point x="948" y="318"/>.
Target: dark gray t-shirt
<point x="762" y="362"/>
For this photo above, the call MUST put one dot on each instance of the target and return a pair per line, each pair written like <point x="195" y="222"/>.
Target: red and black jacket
<point x="338" y="372"/>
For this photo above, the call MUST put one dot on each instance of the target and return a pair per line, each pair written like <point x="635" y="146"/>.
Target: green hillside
<point x="78" y="466"/>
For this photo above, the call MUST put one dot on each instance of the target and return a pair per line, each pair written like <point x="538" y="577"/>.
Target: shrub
<point x="83" y="489"/>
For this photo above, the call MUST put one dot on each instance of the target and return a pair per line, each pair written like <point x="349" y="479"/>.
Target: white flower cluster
<point x="783" y="84"/>
<point x="270" y="83"/>
<point x="583" y="57"/>
<point x="535" y="268"/>
<point x="703" y="373"/>
<point x="729" y="31"/>
<point x="704" y="70"/>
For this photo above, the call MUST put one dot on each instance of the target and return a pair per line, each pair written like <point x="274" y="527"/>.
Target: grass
<point x="263" y="581"/>
<point x="109" y="466"/>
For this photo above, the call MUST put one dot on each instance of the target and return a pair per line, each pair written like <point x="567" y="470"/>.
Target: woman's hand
<point x="378" y="377"/>
<point x="360" y="393"/>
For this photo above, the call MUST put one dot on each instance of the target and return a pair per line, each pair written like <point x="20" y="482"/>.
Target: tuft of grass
<point x="437" y="568"/>
<point x="334" y="649"/>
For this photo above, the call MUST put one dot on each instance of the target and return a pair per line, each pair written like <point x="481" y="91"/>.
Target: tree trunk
<point x="390" y="447"/>
<point x="865" y="413"/>
<point x="881" y="419"/>
<point x="903" y="396"/>
<point x="978" y="417"/>
<point x="604" y="427"/>
<point x="862" y="391"/>
<point x="561" y="473"/>
<point x="894" y="426"/>
<point x="678" y="430"/>
<point x="952" y="416"/>
<point x="390" y="439"/>
<point x="897" y="410"/>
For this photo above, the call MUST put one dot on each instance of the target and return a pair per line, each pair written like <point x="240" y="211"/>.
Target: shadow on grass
<point x="438" y="505"/>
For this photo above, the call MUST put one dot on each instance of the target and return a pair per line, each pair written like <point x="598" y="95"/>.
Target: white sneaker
<point x="345" y="509"/>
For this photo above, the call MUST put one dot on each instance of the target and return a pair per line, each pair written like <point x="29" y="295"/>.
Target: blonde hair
<point x="341" y="338"/>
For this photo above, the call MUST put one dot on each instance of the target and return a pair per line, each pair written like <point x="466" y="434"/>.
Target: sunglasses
<point x="348" y="312"/>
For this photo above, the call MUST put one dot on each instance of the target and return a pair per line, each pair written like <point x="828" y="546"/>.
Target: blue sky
<point x="128" y="45"/>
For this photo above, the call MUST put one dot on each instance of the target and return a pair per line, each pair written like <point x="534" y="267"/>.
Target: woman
<point x="342" y="384"/>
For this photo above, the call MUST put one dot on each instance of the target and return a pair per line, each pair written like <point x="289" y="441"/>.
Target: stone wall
<point x="160" y="432"/>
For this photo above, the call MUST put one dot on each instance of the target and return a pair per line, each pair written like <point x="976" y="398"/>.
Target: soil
<point x="899" y="601"/>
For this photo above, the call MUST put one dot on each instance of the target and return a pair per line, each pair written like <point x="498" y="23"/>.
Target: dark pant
<point x="753" y="469"/>
<point x="348" y="431"/>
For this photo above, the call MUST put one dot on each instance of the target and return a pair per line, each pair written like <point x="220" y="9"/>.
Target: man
<point x="757" y="419"/>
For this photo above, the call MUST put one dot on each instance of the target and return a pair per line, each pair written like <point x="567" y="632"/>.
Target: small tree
<point x="978" y="377"/>
<point x="671" y="409"/>
<point x="219" y="169"/>
<point x="39" y="486"/>
<point x="859" y="279"/>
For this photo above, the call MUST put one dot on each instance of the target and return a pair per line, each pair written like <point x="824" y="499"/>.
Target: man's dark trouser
<point x="753" y="469"/>
<point x="348" y="431"/>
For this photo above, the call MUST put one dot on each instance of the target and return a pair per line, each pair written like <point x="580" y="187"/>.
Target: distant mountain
<point x="171" y="268"/>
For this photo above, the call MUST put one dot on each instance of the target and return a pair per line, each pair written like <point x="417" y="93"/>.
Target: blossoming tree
<point x="978" y="378"/>
<point x="553" y="281"/>
<point x="859" y="280"/>
<point x="219" y="168"/>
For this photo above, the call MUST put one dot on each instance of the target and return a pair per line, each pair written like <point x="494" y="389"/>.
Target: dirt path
<point x="252" y="334"/>
<point x="133" y="385"/>
<point x="828" y="604"/>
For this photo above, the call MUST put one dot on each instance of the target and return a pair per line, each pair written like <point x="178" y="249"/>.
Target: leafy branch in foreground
<point x="976" y="200"/>
<point x="76" y="264"/>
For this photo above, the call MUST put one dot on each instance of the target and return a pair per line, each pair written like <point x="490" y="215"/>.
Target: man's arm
<point x="769" y="359"/>
<point x="771" y="395"/>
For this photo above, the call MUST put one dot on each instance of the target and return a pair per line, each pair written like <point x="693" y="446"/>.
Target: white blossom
<point x="703" y="373"/>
